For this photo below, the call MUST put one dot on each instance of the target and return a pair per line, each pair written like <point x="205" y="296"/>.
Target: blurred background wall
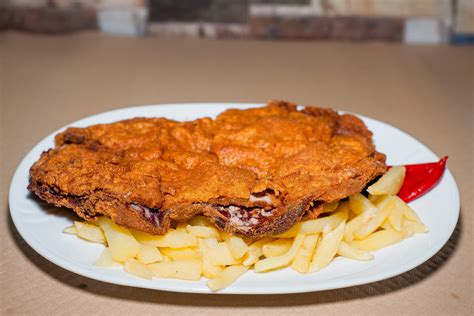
<point x="407" y="21"/>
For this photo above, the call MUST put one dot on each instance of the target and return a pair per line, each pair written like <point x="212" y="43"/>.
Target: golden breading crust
<point x="254" y="172"/>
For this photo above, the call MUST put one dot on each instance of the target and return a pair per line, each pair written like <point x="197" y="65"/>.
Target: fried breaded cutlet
<point x="253" y="172"/>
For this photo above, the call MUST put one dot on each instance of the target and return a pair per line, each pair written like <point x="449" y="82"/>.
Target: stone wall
<point x="410" y="21"/>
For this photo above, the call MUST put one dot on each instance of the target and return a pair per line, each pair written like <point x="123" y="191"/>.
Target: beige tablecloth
<point x="49" y="81"/>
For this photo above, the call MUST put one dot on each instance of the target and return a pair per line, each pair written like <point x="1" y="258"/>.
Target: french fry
<point x="277" y="248"/>
<point x="384" y="208"/>
<point x="280" y="261"/>
<point x="221" y="255"/>
<point x="360" y="204"/>
<point x="305" y="253"/>
<point x="395" y="217"/>
<point x="407" y="211"/>
<point x="327" y="248"/>
<point x="70" y="230"/>
<point x="386" y="224"/>
<point x="225" y="235"/>
<point x="342" y="207"/>
<point x="378" y="240"/>
<point x="317" y="225"/>
<point x="137" y="268"/>
<point x="347" y="251"/>
<point x="237" y="246"/>
<point x="410" y="228"/>
<point x="200" y="220"/>
<point x="329" y="207"/>
<point x="255" y="251"/>
<point x="374" y="198"/>
<point x="149" y="254"/>
<point x="175" y="239"/>
<point x="186" y="253"/>
<point x="105" y="260"/>
<point x="172" y="239"/>
<point x="209" y="242"/>
<point x="182" y="227"/>
<point x="389" y="183"/>
<point x="143" y="238"/>
<point x="89" y="232"/>
<point x="345" y="206"/>
<point x="226" y="277"/>
<point x="210" y="270"/>
<point x="92" y="222"/>
<point x="203" y="231"/>
<point x="121" y="242"/>
<point x="182" y="269"/>
<point x="355" y="224"/>
<point x="365" y="209"/>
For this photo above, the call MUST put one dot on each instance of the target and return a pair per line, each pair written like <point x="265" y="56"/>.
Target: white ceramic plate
<point x="41" y="225"/>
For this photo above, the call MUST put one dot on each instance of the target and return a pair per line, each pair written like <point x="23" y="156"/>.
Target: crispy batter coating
<point x="254" y="172"/>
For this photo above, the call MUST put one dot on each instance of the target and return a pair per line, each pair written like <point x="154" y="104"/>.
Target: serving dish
<point x="41" y="225"/>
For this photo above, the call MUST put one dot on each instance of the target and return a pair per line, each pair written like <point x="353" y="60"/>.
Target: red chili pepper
<point x="421" y="178"/>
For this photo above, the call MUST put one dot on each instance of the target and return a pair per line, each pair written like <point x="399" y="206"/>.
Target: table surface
<point x="49" y="81"/>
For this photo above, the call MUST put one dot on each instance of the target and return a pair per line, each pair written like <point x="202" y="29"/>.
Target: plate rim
<point x="304" y="288"/>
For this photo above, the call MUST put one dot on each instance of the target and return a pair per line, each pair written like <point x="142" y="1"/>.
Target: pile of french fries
<point x="351" y="228"/>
